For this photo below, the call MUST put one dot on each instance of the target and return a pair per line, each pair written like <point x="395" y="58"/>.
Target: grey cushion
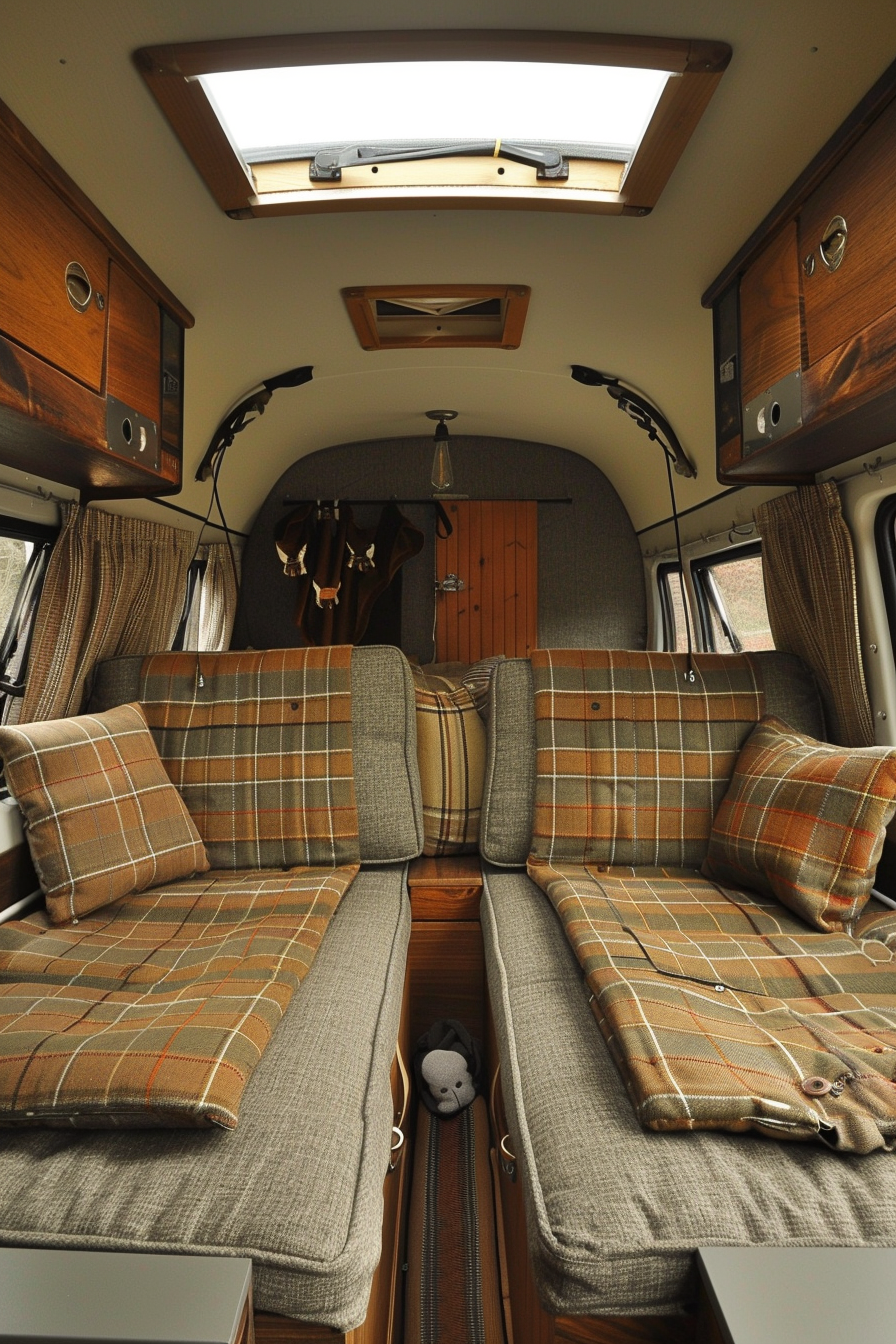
<point x="614" y="1213"/>
<point x="509" y="794"/>
<point x="384" y="737"/>
<point x="298" y="1185"/>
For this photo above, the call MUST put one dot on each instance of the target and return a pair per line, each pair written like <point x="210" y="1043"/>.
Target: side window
<point x="24" y="556"/>
<point x="672" y="600"/>
<point x="731" y="601"/>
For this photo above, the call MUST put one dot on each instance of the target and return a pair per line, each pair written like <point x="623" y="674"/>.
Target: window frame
<point x="705" y="599"/>
<point x="171" y="73"/>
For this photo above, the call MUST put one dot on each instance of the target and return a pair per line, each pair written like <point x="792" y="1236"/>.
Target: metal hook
<point x="874" y="468"/>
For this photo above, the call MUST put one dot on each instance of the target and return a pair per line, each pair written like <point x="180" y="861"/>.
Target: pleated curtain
<point x="810" y="589"/>
<point x="114" y="586"/>
<point x="213" y="608"/>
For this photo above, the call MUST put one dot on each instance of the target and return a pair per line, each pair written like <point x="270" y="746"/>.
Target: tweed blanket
<point x="154" y="1011"/>
<point x="632" y="758"/>
<point x="724" y="1011"/>
<point x="259" y="746"/>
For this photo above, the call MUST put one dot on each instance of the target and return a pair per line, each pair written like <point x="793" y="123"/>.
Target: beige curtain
<point x="213" y="608"/>
<point x="114" y="586"/>
<point x="810" y="588"/>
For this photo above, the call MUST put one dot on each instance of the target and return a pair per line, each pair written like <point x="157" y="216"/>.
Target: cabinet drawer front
<point x="133" y="371"/>
<point x="40" y="237"/>
<point x="770" y="315"/>
<point x="861" y="189"/>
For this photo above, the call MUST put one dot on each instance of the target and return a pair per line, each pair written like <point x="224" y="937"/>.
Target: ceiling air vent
<point x="427" y="317"/>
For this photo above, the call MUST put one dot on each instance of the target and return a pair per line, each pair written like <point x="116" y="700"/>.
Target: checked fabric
<point x="154" y="1011"/>
<point x="724" y="1011"/>
<point x="632" y="758"/>
<point x="259" y="745"/>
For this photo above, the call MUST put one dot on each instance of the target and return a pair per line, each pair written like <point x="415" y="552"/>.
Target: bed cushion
<point x="101" y="816"/>
<point x="804" y="821"/>
<point x="614" y="1214"/>
<point x="387" y="783"/>
<point x="451" y="756"/>
<point x="788" y="688"/>
<point x="298" y="1186"/>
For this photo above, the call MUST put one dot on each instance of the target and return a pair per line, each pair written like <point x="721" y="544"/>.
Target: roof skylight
<point x="445" y="118"/>
<point x="271" y="114"/>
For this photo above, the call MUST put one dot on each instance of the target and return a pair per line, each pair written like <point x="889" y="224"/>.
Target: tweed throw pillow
<point x="451" y="755"/>
<point x="804" y="821"/>
<point x="102" y="818"/>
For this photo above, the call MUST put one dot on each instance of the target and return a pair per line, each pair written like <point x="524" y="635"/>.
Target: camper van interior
<point x="447" y="842"/>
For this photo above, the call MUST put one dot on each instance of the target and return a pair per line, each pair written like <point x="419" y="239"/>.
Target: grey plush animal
<point x="450" y="1081"/>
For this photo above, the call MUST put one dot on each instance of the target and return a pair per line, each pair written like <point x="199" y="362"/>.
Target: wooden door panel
<point x="494" y="550"/>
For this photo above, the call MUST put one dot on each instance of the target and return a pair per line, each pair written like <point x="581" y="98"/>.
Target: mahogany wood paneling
<point x="770" y="331"/>
<point x="494" y="550"/>
<point x="17" y="875"/>
<point x="133" y="369"/>
<point x="445" y="888"/>
<point x="41" y="236"/>
<point x="626" y="1330"/>
<point x="272" y="1329"/>
<point x="841" y="303"/>
<point x="446" y="972"/>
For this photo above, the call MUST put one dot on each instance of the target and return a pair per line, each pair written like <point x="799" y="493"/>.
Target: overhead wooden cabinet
<point x="91" y="341"/>
<point x="805" y="314"/>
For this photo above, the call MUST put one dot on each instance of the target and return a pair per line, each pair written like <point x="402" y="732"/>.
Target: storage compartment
<point x="54" y="273"/>
<point x="91" y="342"/>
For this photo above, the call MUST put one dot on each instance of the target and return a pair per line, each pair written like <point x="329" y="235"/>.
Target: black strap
<point x="442" y="520"/>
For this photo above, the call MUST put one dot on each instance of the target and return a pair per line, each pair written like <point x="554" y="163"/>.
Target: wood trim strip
<point x="32" y="151"/>
<point x="189" y="59"/>
<point x="360" y="300"/>
<point x="17" y="875"/>
<point x="876" y="100"/>
<point x="682" y="104"/>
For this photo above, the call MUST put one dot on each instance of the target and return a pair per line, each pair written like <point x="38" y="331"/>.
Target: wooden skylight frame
<point x="458" y="332"/>
<point x="281" y="188"/>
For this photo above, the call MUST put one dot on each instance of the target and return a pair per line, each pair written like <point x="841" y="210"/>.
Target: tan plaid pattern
<point x="155" y="1011"/>
<point x="101" y="816"/>
<point x="726" y="1012"/>
<point x="632" y="758"/>
<point x="804" y="821"/>
<point x="260" y="747"/>
<point x="451" y="756"/>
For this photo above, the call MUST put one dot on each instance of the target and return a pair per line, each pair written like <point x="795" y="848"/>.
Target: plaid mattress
<point x="260" y="747"/>
<point x="155" y="1010"/>
<point x="451" y="756"/>
<point x="632" y="759"/>
<point x="724" y="1011"/>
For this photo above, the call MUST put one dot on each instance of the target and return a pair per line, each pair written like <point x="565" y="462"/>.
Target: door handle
<point x="450" y="584"/>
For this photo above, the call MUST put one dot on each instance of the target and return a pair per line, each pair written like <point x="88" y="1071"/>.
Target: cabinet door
<point x="39" y="238"/>
<point x="133" y="371"/>
<point x="862" y="191"/>
<point x="770" y="339"/>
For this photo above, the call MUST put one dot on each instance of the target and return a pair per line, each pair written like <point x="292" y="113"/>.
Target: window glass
<point x="14" y="556"/>
<point x="732" y="599"/>
<point x="675" y="634"/>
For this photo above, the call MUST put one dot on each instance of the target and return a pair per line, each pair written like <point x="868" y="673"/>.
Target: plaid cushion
<point x="723" y="1011"/>
<point x="260" y="747"/>
<point x="632" y="758"/>
<point x="478" y="680"/>
<point x="451" y="755"/>
<point x="804" y="821"/>
<point x="156" y="1010"/>
<point x="101" y="816"/>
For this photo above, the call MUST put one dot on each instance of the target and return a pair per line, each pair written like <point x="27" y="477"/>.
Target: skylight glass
<point x="269" y="113"/>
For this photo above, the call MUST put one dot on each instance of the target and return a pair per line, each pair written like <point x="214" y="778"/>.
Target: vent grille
<point x="401" y="317"/>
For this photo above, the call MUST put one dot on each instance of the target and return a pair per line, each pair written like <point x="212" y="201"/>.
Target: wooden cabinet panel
<point x="39" y="237"/>
<point x="493" y="549"/>
<point x="133" y="371"/>
<point x="862" y="189"/>
<point x="446" y="971"/>
<point x="770" y="337"/>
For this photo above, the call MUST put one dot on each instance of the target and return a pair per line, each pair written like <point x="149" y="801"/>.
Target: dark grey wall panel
<point x="591" y="577"/>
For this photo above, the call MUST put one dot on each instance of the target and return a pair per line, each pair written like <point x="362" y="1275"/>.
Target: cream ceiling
<point x="619" y="294"/>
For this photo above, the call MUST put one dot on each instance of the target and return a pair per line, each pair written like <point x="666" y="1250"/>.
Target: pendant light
<point x="442" y="475"/>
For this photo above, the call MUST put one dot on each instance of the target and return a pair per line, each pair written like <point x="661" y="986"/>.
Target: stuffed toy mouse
<point x="447" y="1067"/>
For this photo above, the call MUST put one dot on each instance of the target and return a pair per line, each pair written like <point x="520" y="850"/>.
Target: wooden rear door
<point x="493" y="550"/>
